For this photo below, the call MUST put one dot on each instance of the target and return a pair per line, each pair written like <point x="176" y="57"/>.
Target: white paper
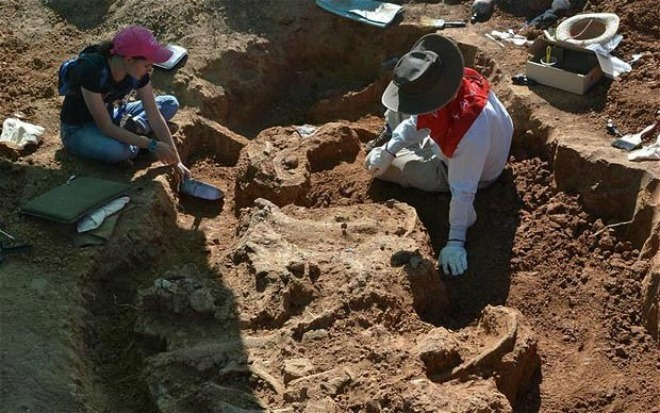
<point x="647" y="153"/>
<point x="17" y="134"/>
<point x="372" y="10"/>
<point x="611" y="66"/>
<point x="94" y="219"/>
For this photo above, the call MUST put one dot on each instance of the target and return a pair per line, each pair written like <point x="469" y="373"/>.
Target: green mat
<point x="71" y="201"/>
<point x="97" y="236"/>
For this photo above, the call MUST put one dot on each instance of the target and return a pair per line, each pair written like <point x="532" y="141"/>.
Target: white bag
<point x="17" y="134"/>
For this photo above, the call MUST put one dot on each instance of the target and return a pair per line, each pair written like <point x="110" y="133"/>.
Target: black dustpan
<point x="201" y="190"/>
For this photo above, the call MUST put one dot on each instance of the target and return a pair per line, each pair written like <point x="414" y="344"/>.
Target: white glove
<point x="453" y="258"/>
<point x="18" y="134"/>
<point x="378" y="160"/>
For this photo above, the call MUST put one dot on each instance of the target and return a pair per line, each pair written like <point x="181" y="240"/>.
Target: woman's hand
<point x="182" y="171"/>
<point x="166" y="153"/>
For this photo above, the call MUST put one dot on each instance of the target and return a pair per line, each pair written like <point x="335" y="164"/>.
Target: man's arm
<point x="464" y="172"/>
<point x="405" y="134"/>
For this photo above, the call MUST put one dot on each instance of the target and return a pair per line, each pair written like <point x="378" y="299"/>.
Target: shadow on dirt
<point x="142" y="295"/>
<point x="489" y="243"/>
<point x="199" y="208"/>
<point x="163" y="300"/>
<point x="83" y="15"/>
<point x="530" y="400"/>
<point x="567" y="102"/>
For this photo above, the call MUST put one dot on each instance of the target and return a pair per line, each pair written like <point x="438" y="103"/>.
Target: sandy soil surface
<point x="310" y="287"/>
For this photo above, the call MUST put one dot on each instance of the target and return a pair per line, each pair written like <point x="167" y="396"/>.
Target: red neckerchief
<point x="449" y="124"/>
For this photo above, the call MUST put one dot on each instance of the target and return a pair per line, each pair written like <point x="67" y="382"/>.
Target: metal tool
<point x="440" y="24"/>
<point x="633" y="141"/>
<point x="14" y="246"/>
<point x="612" y="129"/>
<point x="500" y="44"/>
<point x="522" y="79"/>
<point x="201" y="190"/>
<point x="178" y="53"/>
<point x="635" y="58"/>
<point x="7" y="235"/>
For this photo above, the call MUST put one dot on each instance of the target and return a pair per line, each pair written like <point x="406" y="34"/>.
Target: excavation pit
<point x="317" y="259"/>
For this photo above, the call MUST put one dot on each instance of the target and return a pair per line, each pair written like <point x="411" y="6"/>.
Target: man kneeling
<point x="456" y="139"/>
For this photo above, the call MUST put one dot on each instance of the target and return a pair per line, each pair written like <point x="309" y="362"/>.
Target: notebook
<point x="71" y="201"/>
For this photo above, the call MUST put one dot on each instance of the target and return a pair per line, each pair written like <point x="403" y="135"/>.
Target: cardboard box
<point x="576" y="69"/>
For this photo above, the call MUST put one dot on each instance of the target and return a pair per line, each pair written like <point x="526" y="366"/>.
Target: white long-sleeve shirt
<point x="479" y="157"/>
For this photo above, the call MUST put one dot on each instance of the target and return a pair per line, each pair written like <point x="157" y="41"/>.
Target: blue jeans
<point x="86" y="140"/>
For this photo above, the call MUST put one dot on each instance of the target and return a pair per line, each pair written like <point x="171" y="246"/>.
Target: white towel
<point x="611" y="66"/>
<point x="17" y="134"/>
<point x="647" y="153"/>
<point x="94" y="219"/>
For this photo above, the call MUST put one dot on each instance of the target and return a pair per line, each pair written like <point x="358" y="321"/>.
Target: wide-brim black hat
<point x="426" y="78"/>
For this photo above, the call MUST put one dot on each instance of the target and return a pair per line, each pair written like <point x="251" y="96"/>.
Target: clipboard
<point x="71" y="201"/>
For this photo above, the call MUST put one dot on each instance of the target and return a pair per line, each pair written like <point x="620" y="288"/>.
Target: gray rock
<point x="297" y="368"/>
<point x="314" y="335"/>
<point x="202" y="301"/>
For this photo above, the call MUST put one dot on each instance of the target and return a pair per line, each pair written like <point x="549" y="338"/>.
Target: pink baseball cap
<point x="138" y="41"/>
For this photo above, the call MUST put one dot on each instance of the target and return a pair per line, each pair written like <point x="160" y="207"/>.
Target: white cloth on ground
<point x="647" y="153"/>
<point x="478" y="159"/>
<point x="17" y="134"/>
<point x="611" y="66"/>
<point x="94" y="219"/>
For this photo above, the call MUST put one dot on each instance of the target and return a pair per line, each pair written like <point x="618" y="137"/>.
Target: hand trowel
<point x="440" y="24"/>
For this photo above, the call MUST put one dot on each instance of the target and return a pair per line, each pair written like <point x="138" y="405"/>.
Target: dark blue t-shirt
<point x="87" y="74"/>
